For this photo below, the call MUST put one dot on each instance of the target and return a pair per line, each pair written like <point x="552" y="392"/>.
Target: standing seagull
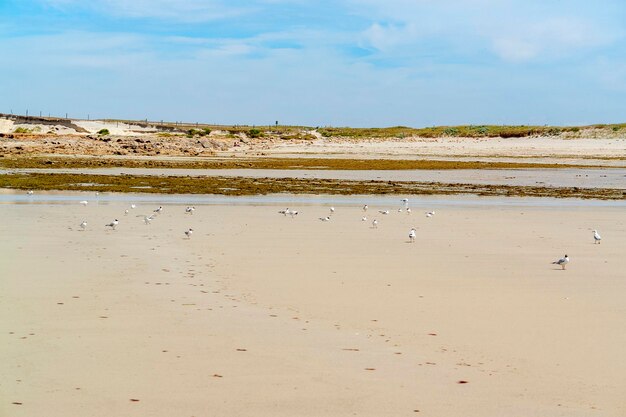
<point x="84" y="203"/>
<point x="408" y="210"/>
<point x="412" y="235"/>
<point x="83" y="225"/>
<point x="325" y="219"/>
<point x="113" y="224"/>
<point x="596" y="237"/>
<point x="375" y="224"/>
<point x="188" y="233"/>
<point x="126" y="212"/>
<point x="190" y="210"/>
<point x="133" y="206"/>
<point x="563" y="261"/>
<point x="147" y="219"/>
<point x="332" y="210"/>
<point x="430" y="214"/>
<point x="383" y="211"/>
<point x="365" y="207"/>
<point x="159" y="210"/>
<point x="363" y="219"/>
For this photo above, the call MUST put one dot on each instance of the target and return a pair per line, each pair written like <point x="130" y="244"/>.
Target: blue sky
<point x="323" y="63"/>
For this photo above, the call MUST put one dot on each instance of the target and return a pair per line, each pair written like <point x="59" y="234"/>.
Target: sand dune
<point x="261" y="314"/>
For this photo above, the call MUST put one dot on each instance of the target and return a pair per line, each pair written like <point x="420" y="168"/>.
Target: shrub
<point x="21" y="130"/>
<point x="451" y="131"/>
<point x="104" y="132"/>
<point x="255" y="133"/>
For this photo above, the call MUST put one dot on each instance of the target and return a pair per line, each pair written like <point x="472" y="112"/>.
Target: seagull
<point x="293" y="213"/>
<point x="147" y="219"/>
<point x="412" y="235"/>
<point x="325" y="219"/>
<point x="365" y="207"/>
<point x="84" y="203"/>
<point x="383" y="211"/>
<point x="332" y="210"/>
<point x="190" y="210"/>
<point x="83" y="225"/>
<point x="563" y="261"/>
<point x="133" y="206"/>
<point x="375" y="224"/>
<point x="126" y="212"/>
<point x="97" y="194"/>
<point x="405" y="201"/>
<point x="399" y="210"/>
<point x="596" y="237"/>
<point x="30" y="192"/>
<point x="113" y="224"/>
<point x="430" y="214"/>
<point x="408" y="210"/>
<point x="188" y="233"/>
<point x="284" y="212"/>
<point x="363" y="219"/>
<point x="160" y="209"/>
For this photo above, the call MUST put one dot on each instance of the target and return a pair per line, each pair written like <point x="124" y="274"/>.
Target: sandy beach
<point x="266" y="315"/>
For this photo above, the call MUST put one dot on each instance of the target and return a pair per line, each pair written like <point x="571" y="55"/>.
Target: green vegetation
<point x="34" y="162"/>
<point x="255" y="133"/>
<point x="198" y="132"/>
<point x="104" y="132"/>
<point x="22" y="130"/>
<point x="256" y="186"/>
<point x="472" y="131"/>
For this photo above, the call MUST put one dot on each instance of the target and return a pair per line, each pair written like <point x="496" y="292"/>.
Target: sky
<point x="361" y="63"/>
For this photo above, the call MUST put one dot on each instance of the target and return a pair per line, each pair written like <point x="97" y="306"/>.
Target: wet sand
<point x="261" y="314"/>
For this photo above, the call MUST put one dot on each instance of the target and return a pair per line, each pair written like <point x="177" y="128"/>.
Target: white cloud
<point x="547" y="39"/>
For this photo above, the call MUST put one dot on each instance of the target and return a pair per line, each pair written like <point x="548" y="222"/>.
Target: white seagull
<point x="84" y="203"/>
<point x="408" y="210"/>
<point x="563" y="261"/>
<point x="383" y="211"/>
<point x="430" y="213"/>
<point x="325" y="219"/>
<point x="405" y="201"/>
<point x="83" y="225"/>
<point x="332" y="210"/>
<point x="148" y="219"/>
<point x="126" y="212"/>
<point x="133" y="206"/>
<point x="284" y="212"/>
<point x="190" y="210"/>
<point x="188" y="233"/>
<point x="375" y="224"/>
<point x="596" y="237"/>
<point x="363" y="219"/>
<point x="30" y="192"/>
<point x="293" y="213"/>
<point x="365" y="207"/>
<point x="160" y="209"/>
<point x="113" y="224"/>
<point x="412" y="235"/>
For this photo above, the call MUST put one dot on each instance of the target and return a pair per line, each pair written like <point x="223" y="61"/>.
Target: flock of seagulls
<point x="146" y="219"/>
<point x="413" y="232"/>
<point x="562" y="262"/>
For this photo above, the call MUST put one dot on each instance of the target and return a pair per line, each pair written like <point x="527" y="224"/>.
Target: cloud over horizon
<point x="349" y="62"/>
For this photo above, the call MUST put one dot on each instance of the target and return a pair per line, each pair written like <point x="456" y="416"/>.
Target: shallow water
<point x="417" y="201"/>
<point x="562" y="177"/>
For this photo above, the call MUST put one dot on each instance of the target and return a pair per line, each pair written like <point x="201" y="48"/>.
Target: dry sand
<point x="264" y="315"/>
